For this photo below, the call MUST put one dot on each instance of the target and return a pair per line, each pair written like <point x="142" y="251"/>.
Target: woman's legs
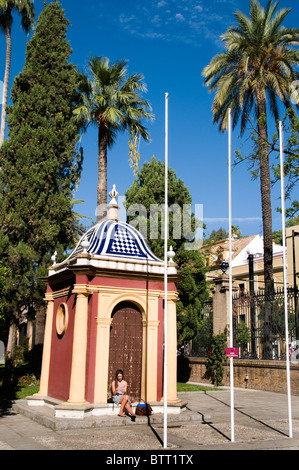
<point x="128" y="408"/>
<point x="124" y="403"/>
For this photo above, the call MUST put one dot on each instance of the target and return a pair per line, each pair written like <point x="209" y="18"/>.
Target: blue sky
<point x="169" y="42"/>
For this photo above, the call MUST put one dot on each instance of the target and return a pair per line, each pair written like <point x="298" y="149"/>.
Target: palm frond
<point x="260" y="57"/>
<point x="27" y="12"/>
<point x="112" y="99"/>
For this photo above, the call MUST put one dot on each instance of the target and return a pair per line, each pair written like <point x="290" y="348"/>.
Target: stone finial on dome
<point x="113" y="206"/>
<point x="85" y="244"/>
<point x="53" y="258"/>
<point x="170" y="254"/>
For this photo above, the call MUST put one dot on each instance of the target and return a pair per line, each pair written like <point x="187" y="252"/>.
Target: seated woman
<point x="119" y="394"/>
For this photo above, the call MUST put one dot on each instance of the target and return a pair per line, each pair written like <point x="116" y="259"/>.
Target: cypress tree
<point x="40" y="163"/>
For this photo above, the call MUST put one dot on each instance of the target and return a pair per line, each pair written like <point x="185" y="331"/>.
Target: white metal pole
<point x="230" y="276"/>
<point x="285" y="279"/>
<point x="165" y="273"/>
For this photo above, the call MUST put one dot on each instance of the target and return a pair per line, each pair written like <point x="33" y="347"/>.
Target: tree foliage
<point x="260" y="58"/>
<point x="25" y="8"/>
<point x="147" y="192"/>
<point x="41" y="164"/>
<point x="112" y="100"/>
<point x="216" y="358"/>
<point x="291" y="162"/>
<point x="290" y="125"/>
<point x="251" y="76"/>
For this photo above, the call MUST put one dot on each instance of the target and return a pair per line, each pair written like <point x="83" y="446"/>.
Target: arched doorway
<point x="125" y="351"/>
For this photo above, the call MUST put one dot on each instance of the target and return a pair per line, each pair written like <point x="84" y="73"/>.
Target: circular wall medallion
<point x="61" y="319"/>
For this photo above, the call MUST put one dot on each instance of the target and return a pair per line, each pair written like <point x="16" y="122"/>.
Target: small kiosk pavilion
<point x="105" y="312"/>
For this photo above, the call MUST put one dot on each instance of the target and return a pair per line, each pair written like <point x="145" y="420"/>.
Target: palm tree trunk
<point x="102" y="174"/>
<point x="6" y="77"/>
<point x="265" y="186"/>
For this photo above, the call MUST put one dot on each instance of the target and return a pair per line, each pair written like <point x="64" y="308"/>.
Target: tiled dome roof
<point x="115" y="245"/>
<point x="114" y="239"/>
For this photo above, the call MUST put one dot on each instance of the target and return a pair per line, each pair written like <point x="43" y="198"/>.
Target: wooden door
<point x="125" y="350"/>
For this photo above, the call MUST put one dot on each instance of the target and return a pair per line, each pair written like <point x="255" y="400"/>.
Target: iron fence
<point x="201" y="344"/>
<point x="258" y="326"/>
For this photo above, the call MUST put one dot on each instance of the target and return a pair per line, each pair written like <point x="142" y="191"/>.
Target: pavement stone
<point x="260" y="423"/>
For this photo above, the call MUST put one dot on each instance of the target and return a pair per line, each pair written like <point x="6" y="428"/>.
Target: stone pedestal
<point x="221" y="304"/>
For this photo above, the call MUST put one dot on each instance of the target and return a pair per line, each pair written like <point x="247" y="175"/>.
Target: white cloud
<point x="156" y="19"/>
<point x="126" y="19"/>
<point x="198" y="8"/>
<point x="179" y="17"/>
<point x="187" y="21"/>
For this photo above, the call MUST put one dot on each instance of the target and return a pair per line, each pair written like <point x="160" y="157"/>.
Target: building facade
<point x="105" y="311"/>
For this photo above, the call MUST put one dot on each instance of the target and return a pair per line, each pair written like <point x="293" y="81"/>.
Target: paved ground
<point x="260" y="423"/>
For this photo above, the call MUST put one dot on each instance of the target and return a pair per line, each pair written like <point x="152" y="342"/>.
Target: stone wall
<point x="259" y="375"/>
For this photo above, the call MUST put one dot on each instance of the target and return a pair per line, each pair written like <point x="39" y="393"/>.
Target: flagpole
<point x="165" y="273"/>
<point x="230" y="277"/>
<point x="285" y="279"/>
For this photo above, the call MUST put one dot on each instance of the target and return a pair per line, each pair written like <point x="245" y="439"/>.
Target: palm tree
<point x="257" y="68"/>
<point x="112" y="101"/>
<point x="26" y="10"/>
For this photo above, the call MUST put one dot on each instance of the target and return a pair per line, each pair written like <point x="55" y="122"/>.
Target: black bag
<point x="143" y="409"/>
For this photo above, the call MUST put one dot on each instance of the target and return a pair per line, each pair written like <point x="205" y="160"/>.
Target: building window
<point x="61" y="319"/>
<point x="241" y="290"/>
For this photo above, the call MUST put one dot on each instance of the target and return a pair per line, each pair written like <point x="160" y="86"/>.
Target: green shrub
<point x="216" y="358"/>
